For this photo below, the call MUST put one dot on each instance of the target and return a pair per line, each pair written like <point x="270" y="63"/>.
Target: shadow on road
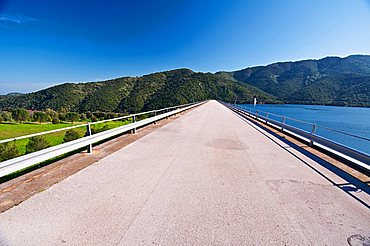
<point x="353" y="185"/>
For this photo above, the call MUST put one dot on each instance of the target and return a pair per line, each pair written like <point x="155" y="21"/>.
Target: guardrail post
<point x="133" y="131"/>
<point x="313" y="131"/>
<point x="283" y="123"/>
<point x="88" y="133"/>
<point x="267" y="116"/>
<point x="155" y="114"/>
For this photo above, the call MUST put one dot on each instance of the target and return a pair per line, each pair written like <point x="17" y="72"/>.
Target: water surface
<point x="351" y="120"/>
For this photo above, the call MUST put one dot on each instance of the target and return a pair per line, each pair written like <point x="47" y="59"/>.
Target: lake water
<point x="352" y="120"/>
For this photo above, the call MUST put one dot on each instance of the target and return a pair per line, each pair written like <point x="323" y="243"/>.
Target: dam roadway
<point x="209" y="177"/>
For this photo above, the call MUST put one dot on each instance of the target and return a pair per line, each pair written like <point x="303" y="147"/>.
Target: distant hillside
<point x="12" y="94"/>
<point x="136" y="94"/>
<point x="331" y="80"/>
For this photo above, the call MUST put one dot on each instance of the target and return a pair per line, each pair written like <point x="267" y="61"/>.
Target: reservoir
<point x="333" y="122"/>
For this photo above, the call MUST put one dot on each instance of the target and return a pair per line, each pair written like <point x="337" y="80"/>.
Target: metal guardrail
<point x="310" y="137"/>
<point x="93" y="123"/>
<point x="22" y="162"/>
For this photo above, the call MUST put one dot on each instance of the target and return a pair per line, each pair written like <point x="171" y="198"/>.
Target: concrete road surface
<point x="207" y="178"/>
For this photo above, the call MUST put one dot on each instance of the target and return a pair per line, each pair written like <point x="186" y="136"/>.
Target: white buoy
<point x="254" y="101"/>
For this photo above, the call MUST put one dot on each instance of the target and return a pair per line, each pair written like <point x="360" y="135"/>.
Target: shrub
<point x="83" y="117"/>
<point x="89" y="115"/>
<point x="104" y="128"/>
<point x="8" y="151"/>
<point x="94" y="119"/>
<point x="71" y="135"/>
<point x="36" y="143"/>
<point x="72" y="116"/>
<point x="55" y="120"/>
<point x="62" y="116"/>
<point x="97" y="130"/>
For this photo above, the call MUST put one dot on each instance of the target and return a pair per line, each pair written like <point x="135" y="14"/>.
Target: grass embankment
<point x="11" y="130"/>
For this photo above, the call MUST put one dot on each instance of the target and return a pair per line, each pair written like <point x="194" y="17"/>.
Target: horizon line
<point x="213" y="72"/>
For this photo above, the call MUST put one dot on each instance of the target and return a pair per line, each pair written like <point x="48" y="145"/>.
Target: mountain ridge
<point x="292" y="82"/>
<point x="135" y="94"/>
<point x="330" y="81"/>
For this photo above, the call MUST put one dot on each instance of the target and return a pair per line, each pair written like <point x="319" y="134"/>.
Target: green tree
<point x="8" y="151"/>
<point x="20" y="115"/>
<point x="100" y="115"/>
<point x="63" y="110"/>
<point x="40" y="116"/>
<point x="71" y="135"/>
<point x="51" y="113"/>
<point x="72" y="116"/>
<point x="36" y="143"/>
<point x="110" y="116"/>
<point x="6" y="115"/>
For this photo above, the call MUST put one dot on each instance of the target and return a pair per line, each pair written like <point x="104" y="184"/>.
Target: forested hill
<point x="330" y="81"/>
<point x="134" y="94"/>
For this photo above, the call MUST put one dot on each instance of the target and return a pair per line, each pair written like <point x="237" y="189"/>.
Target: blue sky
<point x="43" y="43"/>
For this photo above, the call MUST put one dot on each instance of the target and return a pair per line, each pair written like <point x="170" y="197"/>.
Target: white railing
<point x="309" y="135"/>
<point x="97" y="122"/>
<point x="25" y="161"/>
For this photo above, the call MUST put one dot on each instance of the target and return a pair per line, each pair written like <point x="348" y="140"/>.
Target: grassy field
<point x="10" y="130"/>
